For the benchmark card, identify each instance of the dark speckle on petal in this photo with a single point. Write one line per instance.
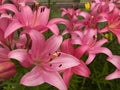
(42, 9)
(60, 65)
(50, 59)
(59, 54)
(50, 65)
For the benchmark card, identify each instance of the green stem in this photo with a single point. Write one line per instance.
(99, 87)
(83, 82)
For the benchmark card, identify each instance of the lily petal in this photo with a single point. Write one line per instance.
(102, 50)
(90, 58)
(26, 15)
(64, 61)
(81, 69)
(22, 56)
(59, 21)
(67, 76)
(38, 41)
(33, 78)
(81, 50)
(13, 26)
(51, 45)
(115, 60)
(38, 76)
(67, 47)
(54, 29)
(54, 79)
(44, 15)
(3, 54)
(10, 7)
(114, 75)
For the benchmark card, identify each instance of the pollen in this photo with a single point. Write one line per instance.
(87, 6)
(55, 54)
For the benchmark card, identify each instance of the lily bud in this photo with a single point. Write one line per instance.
(7, 70)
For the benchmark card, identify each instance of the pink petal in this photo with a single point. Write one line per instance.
(90, 58)
(22, 56)
(51, 45)
(104, 30)
(33, 78)
(65, 31)
(114, 75)
(81, 70)
(39, 75)
(10, 7)
(81, 50)
(5, 20)
(67, 47)
(26, 14)
(64, 12)
(84, 14)
(67, 76)
(4, 54)
(38, 43)
(59, 21)
(54, 79)
(13, 26)
(64, 61)
(101, 42)
(102, 50)
(44, 15)
(54, 29)
(115, 60)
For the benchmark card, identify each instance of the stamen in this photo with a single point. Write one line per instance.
(55, 54)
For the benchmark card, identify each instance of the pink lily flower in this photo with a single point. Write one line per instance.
(46, 60)
(109, 4)
(37, 19)
(113, 24)
(81, 69)
(115, 60)
(91, 20)
(30, 20)
(91, 45)
(71, 13)
(73, 25)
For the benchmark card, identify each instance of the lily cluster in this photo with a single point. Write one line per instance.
(54, 60)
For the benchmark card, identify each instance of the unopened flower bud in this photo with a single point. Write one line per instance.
(7, 70)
